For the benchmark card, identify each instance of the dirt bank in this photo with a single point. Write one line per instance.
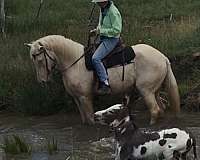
(187, 69)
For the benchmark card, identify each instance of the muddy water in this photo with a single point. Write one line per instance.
(76, 141)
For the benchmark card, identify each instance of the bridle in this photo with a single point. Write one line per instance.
(43, 51)
(46, 56)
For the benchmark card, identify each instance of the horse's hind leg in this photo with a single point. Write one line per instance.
(152, 104)
(160, 103)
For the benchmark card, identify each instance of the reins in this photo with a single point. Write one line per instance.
(46, 61)
(68, 67)
(43, 51)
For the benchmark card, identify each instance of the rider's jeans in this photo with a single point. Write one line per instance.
(106, 46)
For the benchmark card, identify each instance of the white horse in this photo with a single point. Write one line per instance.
(149, 71)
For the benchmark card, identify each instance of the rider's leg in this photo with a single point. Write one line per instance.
(106, 46)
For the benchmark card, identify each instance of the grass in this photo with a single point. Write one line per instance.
(52, 146)
(16, 145)
(172, 26)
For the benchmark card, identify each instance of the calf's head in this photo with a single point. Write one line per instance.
(123, 129)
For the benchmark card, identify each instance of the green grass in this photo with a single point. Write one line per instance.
(52, 146)
(146, 21)
(16, 145)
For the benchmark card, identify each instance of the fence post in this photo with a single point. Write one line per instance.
(38, 12)
(2, 18)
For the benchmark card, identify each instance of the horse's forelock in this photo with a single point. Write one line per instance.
(42, 43)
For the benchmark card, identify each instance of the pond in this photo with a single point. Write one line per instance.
(74, 140)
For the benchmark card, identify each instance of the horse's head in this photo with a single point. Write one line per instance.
(43, 59)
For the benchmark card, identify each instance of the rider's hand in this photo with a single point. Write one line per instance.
(94, 31)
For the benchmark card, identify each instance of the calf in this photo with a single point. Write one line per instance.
(135, 144)
(106, 116)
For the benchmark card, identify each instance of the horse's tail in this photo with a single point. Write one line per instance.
(172, 89)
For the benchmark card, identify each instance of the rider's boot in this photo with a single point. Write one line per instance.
(103, 89)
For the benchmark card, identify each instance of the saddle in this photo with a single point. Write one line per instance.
(119, 56)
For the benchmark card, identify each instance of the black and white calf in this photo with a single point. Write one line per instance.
(167, 144)
(106, 116)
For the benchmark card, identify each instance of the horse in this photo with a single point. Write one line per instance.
(151, 69)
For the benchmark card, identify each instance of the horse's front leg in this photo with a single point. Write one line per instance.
(77, 101)
(86, 106)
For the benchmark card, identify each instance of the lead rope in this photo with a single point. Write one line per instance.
(89, 23)
(123, 65)
(88, 42)
(91, 14)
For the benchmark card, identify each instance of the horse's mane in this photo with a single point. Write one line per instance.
(61, 45)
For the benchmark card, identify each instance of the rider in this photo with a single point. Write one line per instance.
(109, 28)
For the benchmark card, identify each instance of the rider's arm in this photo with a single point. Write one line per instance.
(112, 24)
(115, 25)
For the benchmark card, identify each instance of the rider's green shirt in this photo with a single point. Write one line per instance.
(112, 23)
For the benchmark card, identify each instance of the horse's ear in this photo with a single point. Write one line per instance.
(41, 46)
(28, 44)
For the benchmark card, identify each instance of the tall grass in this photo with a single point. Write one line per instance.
(172, 26)
(16, 145)
(52, 146)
